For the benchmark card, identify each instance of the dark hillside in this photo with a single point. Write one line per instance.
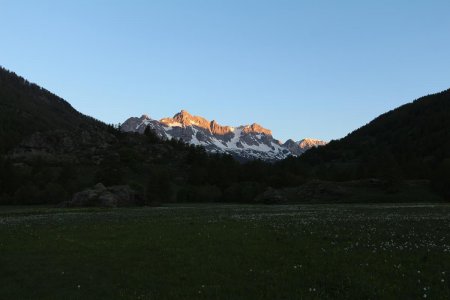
(26, 108)
(412, 141)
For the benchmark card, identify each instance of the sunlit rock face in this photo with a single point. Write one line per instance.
(307, 144)
(247, 142)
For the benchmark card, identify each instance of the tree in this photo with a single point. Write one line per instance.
(151, 135)
(159, 186)
(441, 179)
(110, 171)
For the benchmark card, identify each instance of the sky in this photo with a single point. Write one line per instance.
(317, 68)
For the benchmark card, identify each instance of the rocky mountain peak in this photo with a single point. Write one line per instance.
(183, 114)
(184, 118)
(256, 128)
(244, 142)
(309, 143)
(293, 147)
(218, 129)
(290, 142)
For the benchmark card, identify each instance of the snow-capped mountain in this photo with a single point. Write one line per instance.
(244, 142)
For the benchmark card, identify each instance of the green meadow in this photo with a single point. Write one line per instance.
(226, 252)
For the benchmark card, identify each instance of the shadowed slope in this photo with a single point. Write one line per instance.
(414, 139)
(26, 108)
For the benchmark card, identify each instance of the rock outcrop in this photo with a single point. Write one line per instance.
(101, 196)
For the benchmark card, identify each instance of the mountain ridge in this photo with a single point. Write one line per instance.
(244, 142)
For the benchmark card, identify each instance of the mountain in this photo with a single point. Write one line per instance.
(411, 141)
(246, 142)
(308, 143)
(300, 147)
(26, 108)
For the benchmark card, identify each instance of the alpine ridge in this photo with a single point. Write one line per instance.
(246, 142)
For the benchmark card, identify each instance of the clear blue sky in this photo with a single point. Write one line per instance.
(301, 68)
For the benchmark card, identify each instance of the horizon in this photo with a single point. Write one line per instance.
(237, 63)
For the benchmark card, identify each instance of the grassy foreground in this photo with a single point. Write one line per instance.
(226, 252)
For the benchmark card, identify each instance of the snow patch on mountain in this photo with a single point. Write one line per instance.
(246, 142)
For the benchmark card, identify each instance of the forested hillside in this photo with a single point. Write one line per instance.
(409, 142)
(26, 108)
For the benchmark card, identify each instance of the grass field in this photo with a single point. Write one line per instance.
(226, 252)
